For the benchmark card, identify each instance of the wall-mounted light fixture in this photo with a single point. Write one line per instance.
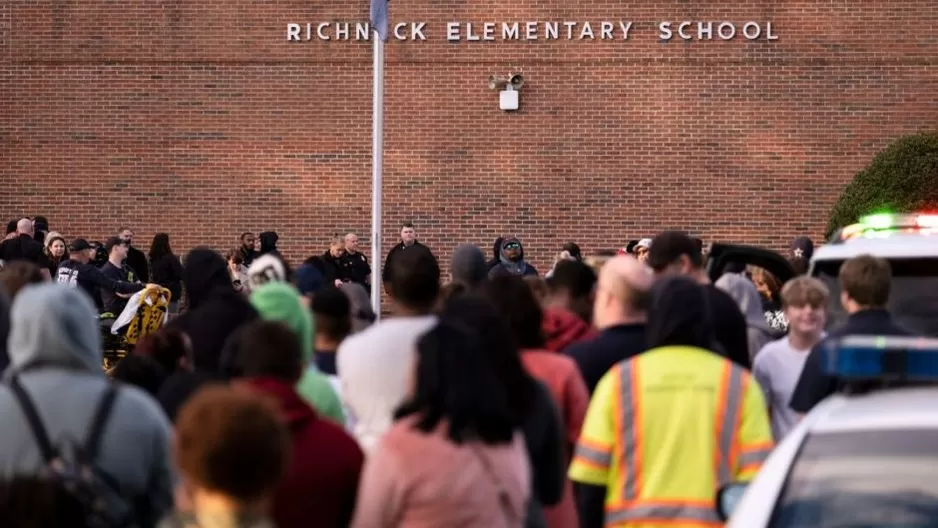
(509, 88)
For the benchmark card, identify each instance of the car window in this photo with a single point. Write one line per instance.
(913, 300)
(866, 479)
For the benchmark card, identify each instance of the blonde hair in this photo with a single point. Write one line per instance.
(802, 291)
(764, 277)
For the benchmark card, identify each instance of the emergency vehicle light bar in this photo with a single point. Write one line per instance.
(893, 221)
(882, 358)
(884, 224)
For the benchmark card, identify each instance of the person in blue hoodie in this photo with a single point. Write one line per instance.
(55, 356)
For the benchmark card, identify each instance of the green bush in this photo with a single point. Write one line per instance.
(901, 179)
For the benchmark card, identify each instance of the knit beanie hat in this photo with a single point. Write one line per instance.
(279, 301)
(308, 279)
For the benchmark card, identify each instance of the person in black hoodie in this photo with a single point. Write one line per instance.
(136, 260)
(167, 270)
(675, 253)
(40, 229)
(269, 244)
(496, 251)
(215, 312)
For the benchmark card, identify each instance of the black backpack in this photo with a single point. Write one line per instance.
(73, 466)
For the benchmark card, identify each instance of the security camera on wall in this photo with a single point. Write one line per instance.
(508, 90)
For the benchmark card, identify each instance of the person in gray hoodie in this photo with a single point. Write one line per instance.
(55, 354)
(747, 298)
(511, 260)
(468, 266)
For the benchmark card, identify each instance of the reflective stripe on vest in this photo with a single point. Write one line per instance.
(629, 430)
(756, 456)
(592, 457)
(728, 418)
(664, 513)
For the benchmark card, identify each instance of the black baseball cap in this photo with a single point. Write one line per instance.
(79, 244)
(802, 247)
(113, 241)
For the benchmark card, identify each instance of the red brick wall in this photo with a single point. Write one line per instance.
(200, 119)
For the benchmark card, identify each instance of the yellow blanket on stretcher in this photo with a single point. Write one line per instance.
(144, 314)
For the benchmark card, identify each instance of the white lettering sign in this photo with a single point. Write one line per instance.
(537, 30)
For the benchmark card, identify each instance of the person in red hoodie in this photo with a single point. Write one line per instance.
(568, 306)
(321, 483)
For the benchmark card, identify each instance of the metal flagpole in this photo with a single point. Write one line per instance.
(377, 162)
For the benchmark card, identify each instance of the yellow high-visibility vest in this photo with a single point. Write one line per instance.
(664, 430)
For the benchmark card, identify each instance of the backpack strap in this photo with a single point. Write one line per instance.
(33, 419)
(101, 415)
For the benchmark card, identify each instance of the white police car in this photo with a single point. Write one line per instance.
(855, 461)
(909, 242)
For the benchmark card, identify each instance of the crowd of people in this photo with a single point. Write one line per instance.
(618, 389)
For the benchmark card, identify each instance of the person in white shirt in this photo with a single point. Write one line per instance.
(778, 365)
(374, 366)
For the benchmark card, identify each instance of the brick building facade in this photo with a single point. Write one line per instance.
(201, 118)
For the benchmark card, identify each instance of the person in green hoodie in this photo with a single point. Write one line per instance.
(279, 301)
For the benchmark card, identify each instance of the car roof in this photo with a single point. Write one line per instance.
(896, 245)
(906, 408)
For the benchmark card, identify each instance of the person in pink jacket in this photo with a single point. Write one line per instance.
(455, 455)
